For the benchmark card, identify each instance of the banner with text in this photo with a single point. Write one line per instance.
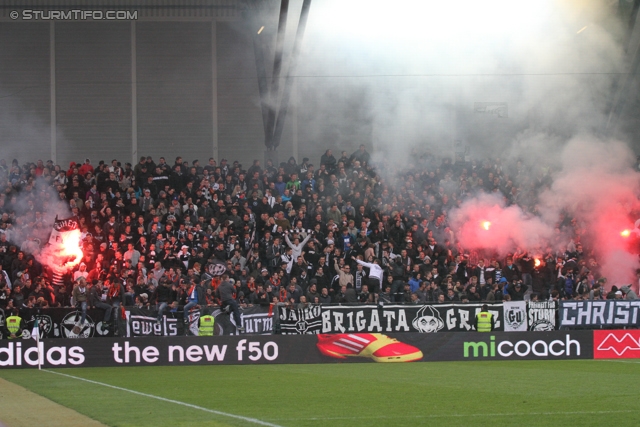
(61, 322)
(276, 349)
(612, 313)
(389, 318)
(542, 315)
(141, 322)
(515, 316)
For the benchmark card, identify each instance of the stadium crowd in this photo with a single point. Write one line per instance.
(159, 236)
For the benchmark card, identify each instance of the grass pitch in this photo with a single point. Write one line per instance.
(532, 393)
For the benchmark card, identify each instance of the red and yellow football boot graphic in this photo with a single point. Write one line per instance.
(378, 347)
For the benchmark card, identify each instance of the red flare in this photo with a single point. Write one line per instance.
(70, 251)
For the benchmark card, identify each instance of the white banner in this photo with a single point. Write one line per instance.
(542, 315)
(515, 316)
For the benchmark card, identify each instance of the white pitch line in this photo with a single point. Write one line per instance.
(617, 361)
(164, 399)
(505, 414)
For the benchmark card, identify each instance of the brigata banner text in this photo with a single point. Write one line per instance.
(322, 319)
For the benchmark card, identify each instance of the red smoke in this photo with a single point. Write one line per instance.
(486, 223)
(597, 186)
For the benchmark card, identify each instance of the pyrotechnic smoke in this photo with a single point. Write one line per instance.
(599, 187)
(486, 223)
(554, 70)
(596, 186)
(415, 85)
(33, 218)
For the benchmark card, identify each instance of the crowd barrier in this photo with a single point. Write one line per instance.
(517, 316)
(136, 322)
(329, 348)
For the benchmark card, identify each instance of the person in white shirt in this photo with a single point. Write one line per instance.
(82, 272)
(296, 246)
(375, 272)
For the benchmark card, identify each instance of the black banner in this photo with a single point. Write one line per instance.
(613, 313)
(66, 224)
(60, 322)
(388, 318)
(323, 348)
(141, 322)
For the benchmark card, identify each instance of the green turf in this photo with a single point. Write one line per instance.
(531, 393)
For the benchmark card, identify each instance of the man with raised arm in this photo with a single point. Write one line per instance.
(296, 246)
(375, 273)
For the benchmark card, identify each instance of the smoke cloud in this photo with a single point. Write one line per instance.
(487, 223)
(407, 77)
(33, 212)
(418, 68)
(599, 188)
(596, 186)
(416, 72)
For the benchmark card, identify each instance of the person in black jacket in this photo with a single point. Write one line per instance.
(511, 271)
(259, 296)
(451, 296)
(226, 293)
(328, 160)
(516, 290)
(495, 293)
(94, 300)
(163, 297)
(115, 297)
(324, 298)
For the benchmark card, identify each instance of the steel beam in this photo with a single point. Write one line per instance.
(288, 81)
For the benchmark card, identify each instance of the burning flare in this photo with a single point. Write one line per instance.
(70, 250)
(486, 225)
(64, 250)
(537, 262)
(625, 233)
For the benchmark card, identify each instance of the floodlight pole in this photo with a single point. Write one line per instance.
(274, 104)
(263, 86)
(288, 83)
(274, 91)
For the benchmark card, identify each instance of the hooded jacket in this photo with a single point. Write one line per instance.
(629, 293)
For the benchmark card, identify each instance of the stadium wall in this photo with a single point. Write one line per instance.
(173, 82)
